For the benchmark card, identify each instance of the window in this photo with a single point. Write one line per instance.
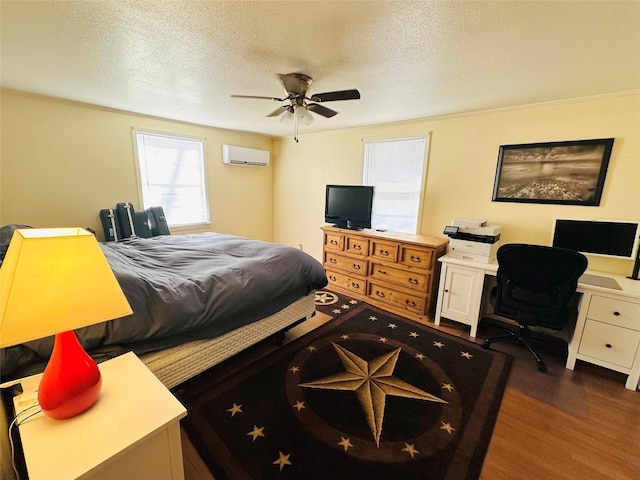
(172, 175)
(396, 168)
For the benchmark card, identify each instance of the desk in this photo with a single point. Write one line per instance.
(607, 330)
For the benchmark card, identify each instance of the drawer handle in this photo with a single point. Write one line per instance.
(355, 285)
(616, 314)
(333, 260)
(415, 259)
(355, 266)
(608, 345)
(413, 281)
(410, 303)
(332, 278)
(382, 272)
(333, 242)
(379, 293)
(357, 247)
(384, 253)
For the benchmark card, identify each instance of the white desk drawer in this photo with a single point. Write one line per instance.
(615, 312)
(609, 343)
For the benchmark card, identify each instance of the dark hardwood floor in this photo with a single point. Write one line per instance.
(563, 424)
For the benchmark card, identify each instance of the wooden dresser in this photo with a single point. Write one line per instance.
(395, 271)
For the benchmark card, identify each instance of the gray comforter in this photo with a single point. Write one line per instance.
(187, 287)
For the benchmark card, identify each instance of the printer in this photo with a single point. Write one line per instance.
(473, 240)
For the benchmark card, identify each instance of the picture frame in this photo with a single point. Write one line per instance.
(562, 173)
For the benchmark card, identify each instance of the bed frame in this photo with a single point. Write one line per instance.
(175, 365)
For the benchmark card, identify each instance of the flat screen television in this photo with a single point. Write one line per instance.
(609, 238)
(349, 206)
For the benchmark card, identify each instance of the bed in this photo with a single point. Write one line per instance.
(197, 300)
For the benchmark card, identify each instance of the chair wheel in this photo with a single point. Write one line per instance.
(486, 344)
(542, 367)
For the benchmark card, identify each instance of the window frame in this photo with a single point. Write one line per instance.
(425, 162)
(141, 188)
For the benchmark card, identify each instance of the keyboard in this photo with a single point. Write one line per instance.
(599, 281)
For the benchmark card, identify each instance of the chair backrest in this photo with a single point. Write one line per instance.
(536, 283)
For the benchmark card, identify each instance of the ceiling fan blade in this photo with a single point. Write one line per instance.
(259, 97)
(321, 110)
(278, 111)
(338, 95)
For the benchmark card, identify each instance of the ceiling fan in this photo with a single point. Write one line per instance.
(296, 86)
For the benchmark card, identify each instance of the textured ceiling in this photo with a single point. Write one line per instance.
(183, 59)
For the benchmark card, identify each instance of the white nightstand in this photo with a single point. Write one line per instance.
(131, 432)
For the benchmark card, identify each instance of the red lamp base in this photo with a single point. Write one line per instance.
(71, 382)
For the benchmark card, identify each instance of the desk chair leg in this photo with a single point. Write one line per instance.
(521, 338)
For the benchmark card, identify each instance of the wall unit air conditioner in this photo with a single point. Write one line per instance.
(252, 157)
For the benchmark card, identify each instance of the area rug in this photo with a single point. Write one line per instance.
(367, 395)
(333, 303)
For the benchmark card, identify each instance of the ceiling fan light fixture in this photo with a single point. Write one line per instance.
(303, 116)
(288, 116)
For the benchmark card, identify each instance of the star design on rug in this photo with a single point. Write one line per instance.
(438, 344)
(414, 334)
(383, 339)
(447, 426)
(345, 443)
(392, 326)
(373, 318)
(345, 307)
(282, 460)
(299, 405)
(294, 369)
(235, 409)
(410, 449)
(311, 348)
(447, 386)
(466, 355)
(325, 298)
(372, 381)
(256, 432)
(344, 336)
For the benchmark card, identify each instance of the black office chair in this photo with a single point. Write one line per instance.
(535, 286)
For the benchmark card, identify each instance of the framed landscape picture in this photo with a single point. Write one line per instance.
(567, 173)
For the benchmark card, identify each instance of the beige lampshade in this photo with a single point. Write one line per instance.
(53, 280)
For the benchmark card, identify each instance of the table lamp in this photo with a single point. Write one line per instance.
(53, 281)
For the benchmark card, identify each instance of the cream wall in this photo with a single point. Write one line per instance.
(61, 162)
(461, 169)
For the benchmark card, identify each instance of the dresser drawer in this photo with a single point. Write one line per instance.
(384, 251)
(406, 278)
(609, 343)
(614, 311)
(344, 280)
(357, 246)
(383, 293)
(334, 241)
(417, 257)
(348, 264)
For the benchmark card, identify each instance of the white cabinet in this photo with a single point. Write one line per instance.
(459, 295)
(608, 334)
(132, 431)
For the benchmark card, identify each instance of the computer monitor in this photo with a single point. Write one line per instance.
(608, 238)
